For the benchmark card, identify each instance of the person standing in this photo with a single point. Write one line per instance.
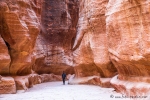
(63, 77)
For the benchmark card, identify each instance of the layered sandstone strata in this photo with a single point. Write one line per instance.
(91, 38)
(7, 85)
(10, 85)
(90, 54)
(4, 58)
(53, 46)
(127, 26)
(20, 26)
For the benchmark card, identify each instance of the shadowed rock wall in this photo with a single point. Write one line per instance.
(53, 46)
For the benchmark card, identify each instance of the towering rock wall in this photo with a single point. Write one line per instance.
(86, 37)
(53, 52)
(20, 26)
(90, 48)
(127, 26)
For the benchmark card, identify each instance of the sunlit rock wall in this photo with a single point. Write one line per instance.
(127, 26)
(90, 54)
(4, 58)
(20, 25)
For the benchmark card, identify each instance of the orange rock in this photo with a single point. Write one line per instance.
(50, 77)
(22, 82)
(91, 56)
(128, 42)
(7, 85)
(131, 88)
(20, 27)
(91, 39)
(127, 36)
(95, 80)
(58, 29)
(105, 82)
(4, 58)
(34, 79)
(25, 82)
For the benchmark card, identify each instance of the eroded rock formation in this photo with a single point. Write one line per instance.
(19, 29)
(10, 85)
(4, 58)
(91, 38)
(91, 50)
(7, 85)
(53, 46)
(127, 26)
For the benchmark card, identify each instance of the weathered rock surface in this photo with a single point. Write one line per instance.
(91, 55)
(19, 28)
(105, 82)
(136, 89)
(127, 26)
(92, 80)
(26, 82)
(7, 85)
(53, 46)
(95, 80)
(4, 58)
(34, 79)
(50, 77)
(95, 39)
(22, 82)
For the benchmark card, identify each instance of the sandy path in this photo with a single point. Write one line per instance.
(57, 91)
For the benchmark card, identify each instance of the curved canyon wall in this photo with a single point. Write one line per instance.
(39, 36)
(90, 54)
(91, 38)
(128, 38)
(53, 52)
(19, 29)
(127, 26)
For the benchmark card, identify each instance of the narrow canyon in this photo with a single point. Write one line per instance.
(98, 42)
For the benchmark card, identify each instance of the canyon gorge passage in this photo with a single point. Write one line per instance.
(99, 42)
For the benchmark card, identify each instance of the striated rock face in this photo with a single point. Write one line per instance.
(19, 28)
(53, 46)
(10, 85)
(95, 39)
(22, 83)
(135, 87)
(4, 57)
(25, 82)
(7, 85)
(90, 48)
(127, 26)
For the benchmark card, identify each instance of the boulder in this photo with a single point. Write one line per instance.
(7, 85)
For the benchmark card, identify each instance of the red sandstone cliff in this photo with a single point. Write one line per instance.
(91, 38)
(90, 54)
(19, 29)
(127, 26)
(53, 52)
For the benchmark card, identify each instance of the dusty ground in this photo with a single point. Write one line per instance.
(57, 91)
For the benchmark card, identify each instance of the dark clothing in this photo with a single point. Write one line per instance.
(64, 81)
(63, 77)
